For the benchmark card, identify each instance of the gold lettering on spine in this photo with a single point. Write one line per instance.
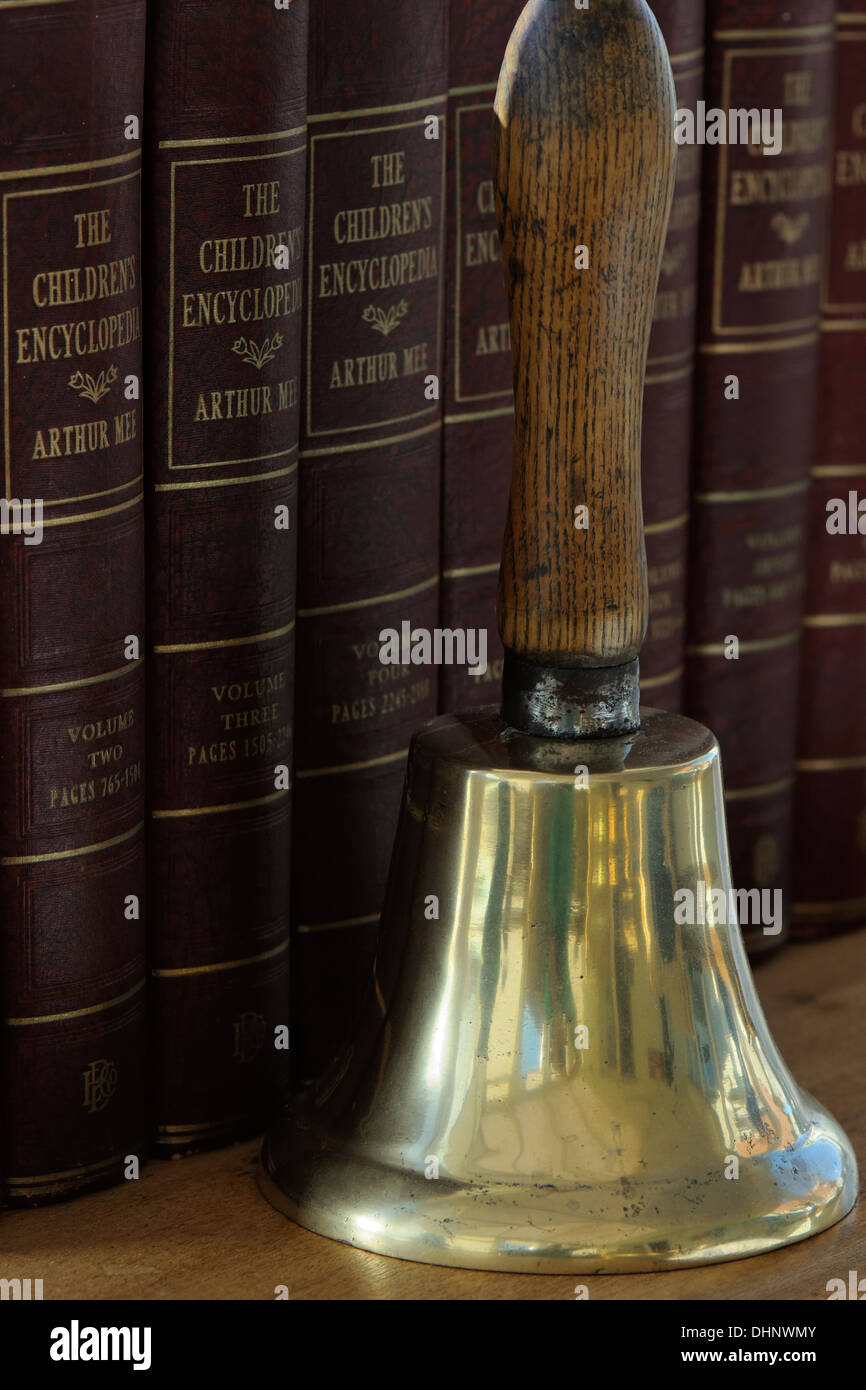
(73, 229)
(771, 183)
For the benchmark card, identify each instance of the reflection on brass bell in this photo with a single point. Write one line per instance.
(563, 1065)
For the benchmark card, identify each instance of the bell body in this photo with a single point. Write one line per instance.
(555, 1073)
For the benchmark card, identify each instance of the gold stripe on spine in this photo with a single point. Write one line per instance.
(775, 345)
(469, 570)
(840, 470)
(659, 527)
(104, 492)
(46, 1179)
(314, 118)
(685, 354)
(234, 139)
(226, 482)
(96, 848)
(655, 682)
(352, 767)
(754, 494)
(182, 812)
(84, 167)
(761, 644)
(369, 443)
(227, 641)
(114, 675)
(823, 620)
(308, 928)
(221, 965)
(177, 1134)
(853, 764)
(479, 415)
(91, 516)
(78, 1013)
(691, 57)
(659, 378)
(369, 602)
(473, 89)
(784, 784)
(808, 31)
(842, 325)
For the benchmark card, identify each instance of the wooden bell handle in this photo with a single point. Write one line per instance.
(584, 163)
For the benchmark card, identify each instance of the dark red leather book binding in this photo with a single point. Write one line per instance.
(72, 891)
(830, 805)
(224, 235)
(668, 395)
(762, 248)
(369, 478)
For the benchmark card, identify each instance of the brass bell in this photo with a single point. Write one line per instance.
(556, 1072)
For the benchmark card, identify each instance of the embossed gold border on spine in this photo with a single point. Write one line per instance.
(218, 966)
(748, 331)
(184, 163)
(457, 189)
(435, 406)
(49, 503)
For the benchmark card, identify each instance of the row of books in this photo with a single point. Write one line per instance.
(257, 392)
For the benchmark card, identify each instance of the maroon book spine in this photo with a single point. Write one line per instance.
(762, 246)
(72, 961)
(667, 412)
(830, 803)
(226, 158)
(479, 411)
(369, 478)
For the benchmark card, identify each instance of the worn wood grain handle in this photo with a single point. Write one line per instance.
(584, 157)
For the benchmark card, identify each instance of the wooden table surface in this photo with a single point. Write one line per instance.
(199, 1229)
